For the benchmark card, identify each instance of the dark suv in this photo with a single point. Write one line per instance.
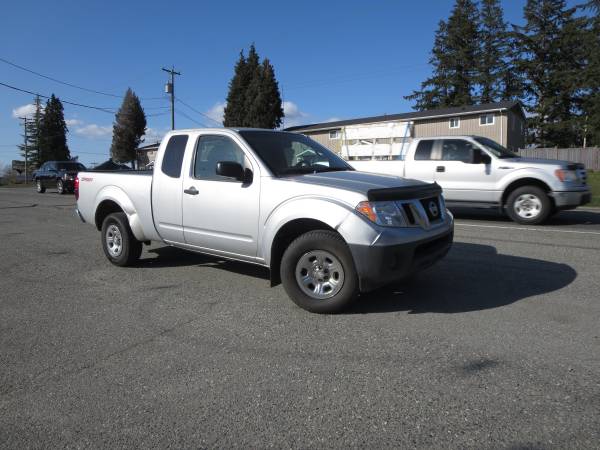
(59, 174)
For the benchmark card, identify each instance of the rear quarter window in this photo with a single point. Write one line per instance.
(423, 151)
(173, 157)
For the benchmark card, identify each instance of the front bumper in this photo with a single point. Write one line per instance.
(387, 261)
(571, 199)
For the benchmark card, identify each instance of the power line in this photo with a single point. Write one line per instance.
(68, 84)
(199, 112)
(106, 110)
(191, 119)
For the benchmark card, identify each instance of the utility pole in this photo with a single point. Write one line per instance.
(170, 89)
(24, 119)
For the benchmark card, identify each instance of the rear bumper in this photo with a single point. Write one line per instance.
(571, 199)
(378, 265)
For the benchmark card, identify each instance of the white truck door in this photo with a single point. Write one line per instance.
(462, 172)
(220, 214)
(167, 189)
(420, 164)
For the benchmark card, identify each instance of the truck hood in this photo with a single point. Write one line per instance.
(533, 162)
(352, 180)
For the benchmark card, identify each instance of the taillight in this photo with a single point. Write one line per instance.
(76, 188)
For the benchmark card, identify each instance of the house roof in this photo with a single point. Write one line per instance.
(417, 115)
(148, 148)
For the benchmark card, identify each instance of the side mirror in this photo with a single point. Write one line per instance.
(230, 169)
(481, 158)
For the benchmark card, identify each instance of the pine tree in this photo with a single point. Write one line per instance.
(591, 97)
(454, 59)
(53, 133)
(254, 99)
(434, 90)
(492, 60)
(32, 135)
(234, 110)
(128, 129)
(551, 62)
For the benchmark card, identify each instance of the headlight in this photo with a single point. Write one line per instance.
(566, 175)
(386, 214)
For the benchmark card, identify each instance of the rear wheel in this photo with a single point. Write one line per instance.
(118, 242)
(60, 187)
(39, 187)
(317, 272)
(528, 205)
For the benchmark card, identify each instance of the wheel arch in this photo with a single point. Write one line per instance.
(112, 199)
(286, 235)
(528, 181)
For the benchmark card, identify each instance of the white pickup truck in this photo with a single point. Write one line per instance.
(478, 172)
(276, 199)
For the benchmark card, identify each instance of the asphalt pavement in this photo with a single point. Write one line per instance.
(497, 346)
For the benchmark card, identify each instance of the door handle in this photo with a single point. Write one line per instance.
(440, 169)
(191, 190)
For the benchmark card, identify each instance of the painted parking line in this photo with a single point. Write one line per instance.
(546, 230)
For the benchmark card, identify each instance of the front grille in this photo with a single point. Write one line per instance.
(432, 208)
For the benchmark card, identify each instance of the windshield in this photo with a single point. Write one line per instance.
(291, 153)
(69, 166)
(496, 149)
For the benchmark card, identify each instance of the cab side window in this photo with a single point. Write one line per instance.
(173, 157)
(423, 151)
(457, 150)
(213, 149)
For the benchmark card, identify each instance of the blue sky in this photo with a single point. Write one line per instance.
(332, 59)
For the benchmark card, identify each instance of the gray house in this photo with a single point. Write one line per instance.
(503, 122)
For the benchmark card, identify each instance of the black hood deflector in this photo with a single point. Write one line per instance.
(405, 193)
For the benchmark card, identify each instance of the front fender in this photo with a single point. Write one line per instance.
(336, 214)
(118, 195)
(537, 174)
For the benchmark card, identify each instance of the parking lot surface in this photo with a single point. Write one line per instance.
(497, 346)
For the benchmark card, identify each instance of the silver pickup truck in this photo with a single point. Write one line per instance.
(478, 172)
(276, 199)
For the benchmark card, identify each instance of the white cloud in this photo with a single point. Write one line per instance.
(94, 131)
(153, 135)
(333, 119)
(73, 122)
(216, 113)
(293, 115)
(23, 111)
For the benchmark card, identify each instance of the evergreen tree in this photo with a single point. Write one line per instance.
(254, 99)
(551, 61)
(32, 134)
(128, 129)
(52, 135)
(591, 98)
(234, 110)
(494, 52)
(454, 59)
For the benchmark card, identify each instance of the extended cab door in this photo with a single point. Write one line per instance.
(421, 164)
(220, 214)
(167, 189)
(464, 172)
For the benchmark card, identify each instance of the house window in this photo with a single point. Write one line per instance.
(454, 122)
(486, 119)
(335, 134)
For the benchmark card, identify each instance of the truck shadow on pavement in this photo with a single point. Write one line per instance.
(563, 218)
(472, 277)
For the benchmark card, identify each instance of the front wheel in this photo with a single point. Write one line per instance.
(528, 205)
(317, 272)
(60, 187)
(118, 242)
(39, 187)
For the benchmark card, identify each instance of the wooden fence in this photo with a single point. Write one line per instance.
(589, 156)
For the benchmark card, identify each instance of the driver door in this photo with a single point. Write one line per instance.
(220, 214)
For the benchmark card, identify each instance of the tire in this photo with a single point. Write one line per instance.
(529, 205)
(39, 187)
(118, 242)
(60, 187)
(320, 258)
